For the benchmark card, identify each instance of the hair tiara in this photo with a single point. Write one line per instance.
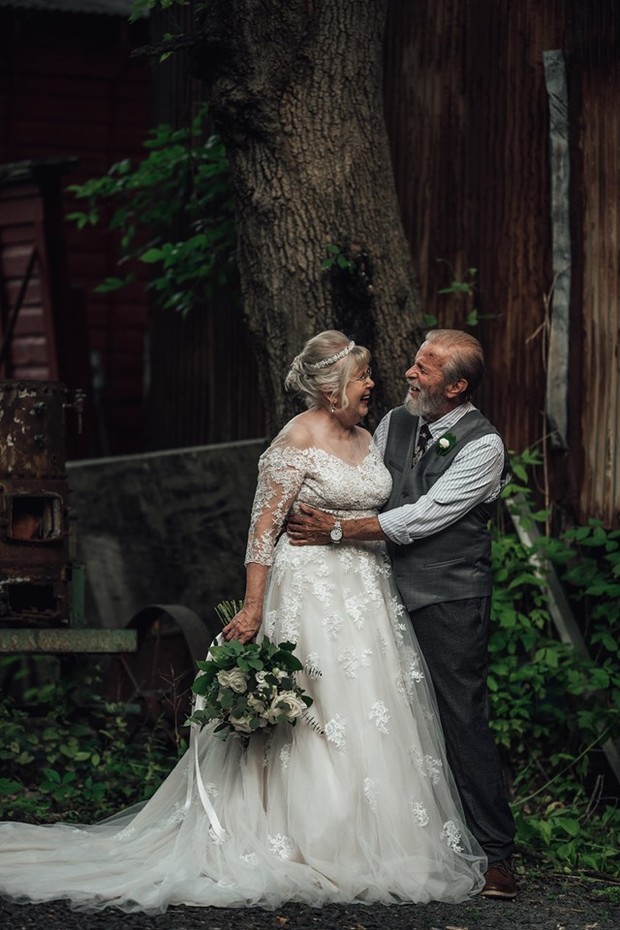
(333, 358)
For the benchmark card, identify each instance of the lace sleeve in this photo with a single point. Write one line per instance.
(281, 472)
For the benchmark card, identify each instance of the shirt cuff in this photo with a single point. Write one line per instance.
(394, 527)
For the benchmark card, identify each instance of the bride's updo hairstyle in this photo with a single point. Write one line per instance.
(325, 365)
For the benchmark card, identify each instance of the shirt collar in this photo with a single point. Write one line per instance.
(445, 423)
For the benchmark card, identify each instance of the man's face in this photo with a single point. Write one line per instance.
(427, 395)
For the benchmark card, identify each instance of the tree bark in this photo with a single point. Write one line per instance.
(296, 92)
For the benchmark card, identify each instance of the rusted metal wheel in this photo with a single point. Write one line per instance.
(156, 679)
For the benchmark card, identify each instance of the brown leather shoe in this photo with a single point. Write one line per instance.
(499, 881)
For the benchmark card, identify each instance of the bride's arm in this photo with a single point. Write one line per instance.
(282, 469)
(245, 625)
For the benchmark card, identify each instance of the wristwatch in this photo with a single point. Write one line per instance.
(335, 534)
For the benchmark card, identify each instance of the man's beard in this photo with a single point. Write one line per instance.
(426, 404)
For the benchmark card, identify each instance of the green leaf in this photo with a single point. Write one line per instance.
(457, 287)
(9, 786)
(570, 825)
(151, 256)
(203, 682)
(112, 284)
(52, 776)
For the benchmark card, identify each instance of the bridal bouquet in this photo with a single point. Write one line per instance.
(245, 687)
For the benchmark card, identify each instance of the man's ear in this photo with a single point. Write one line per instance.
(459, 387)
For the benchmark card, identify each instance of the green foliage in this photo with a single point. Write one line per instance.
(349, 267)
(464, 290)
(552, 709)
(248, 686)
(61, 760)
(336, 259)
(570, 837)
(172, 211)
(142, 8)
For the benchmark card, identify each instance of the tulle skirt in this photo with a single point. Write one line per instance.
(356, 804)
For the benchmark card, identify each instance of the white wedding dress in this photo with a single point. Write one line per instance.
(359, 807)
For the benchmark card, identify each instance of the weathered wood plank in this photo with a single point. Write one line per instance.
(67, 641)
(559, 166)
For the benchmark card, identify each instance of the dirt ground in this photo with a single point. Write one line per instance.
(548, 902)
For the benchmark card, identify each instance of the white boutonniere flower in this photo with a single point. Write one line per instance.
(445, 443)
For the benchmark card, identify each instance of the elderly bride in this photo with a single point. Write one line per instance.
(356, 805)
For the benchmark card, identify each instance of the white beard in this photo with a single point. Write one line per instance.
(424, 404)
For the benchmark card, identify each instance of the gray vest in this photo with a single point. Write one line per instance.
(454, 563)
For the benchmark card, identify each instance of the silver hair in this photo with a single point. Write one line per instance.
(465, 357)
(325, 365)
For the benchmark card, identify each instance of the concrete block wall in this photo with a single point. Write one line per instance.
(163, 528)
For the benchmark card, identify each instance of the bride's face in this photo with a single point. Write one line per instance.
(358, 392)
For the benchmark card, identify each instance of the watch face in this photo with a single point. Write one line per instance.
(336, 533)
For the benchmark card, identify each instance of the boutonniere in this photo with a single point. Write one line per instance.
(443, 445)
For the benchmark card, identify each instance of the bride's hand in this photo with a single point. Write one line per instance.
(310, 527)
(245, 625)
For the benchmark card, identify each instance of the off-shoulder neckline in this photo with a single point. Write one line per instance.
(333, 455)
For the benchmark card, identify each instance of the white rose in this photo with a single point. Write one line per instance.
(287, 705)
(241, 724)
(444, 443)
(235, 679)
(261, 682)
(256, 704)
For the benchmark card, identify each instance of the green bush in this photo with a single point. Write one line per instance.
(552, 708)
(62, 760)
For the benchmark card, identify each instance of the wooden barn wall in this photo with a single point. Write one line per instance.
(595, 72)
(203, 384)
(467, 114)
(69, 88)
(31, 353)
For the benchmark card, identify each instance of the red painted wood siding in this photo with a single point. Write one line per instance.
(68, 87)
(33, 345)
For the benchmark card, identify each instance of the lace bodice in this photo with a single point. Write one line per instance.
(288, 475)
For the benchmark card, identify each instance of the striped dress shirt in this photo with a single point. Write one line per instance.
(474, 477)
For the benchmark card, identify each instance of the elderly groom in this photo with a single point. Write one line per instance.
(448, 464)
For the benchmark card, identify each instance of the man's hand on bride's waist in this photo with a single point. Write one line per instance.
(312, 527)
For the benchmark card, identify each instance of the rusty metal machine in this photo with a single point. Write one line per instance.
(41, 583)
(41, 580)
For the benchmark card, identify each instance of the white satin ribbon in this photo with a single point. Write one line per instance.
(194, 774)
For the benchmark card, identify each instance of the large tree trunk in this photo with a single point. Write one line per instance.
(296, 90)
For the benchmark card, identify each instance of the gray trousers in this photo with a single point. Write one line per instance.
(453, 638)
